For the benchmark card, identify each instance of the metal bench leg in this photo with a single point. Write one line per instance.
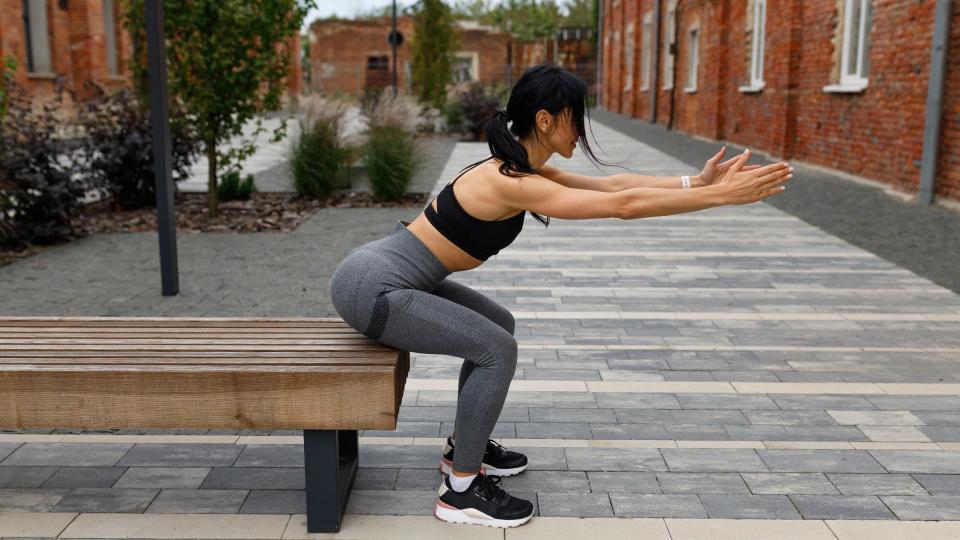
(330, 460)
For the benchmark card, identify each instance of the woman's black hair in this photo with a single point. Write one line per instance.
(543, 86)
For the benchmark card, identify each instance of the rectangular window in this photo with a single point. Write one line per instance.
(693, 58)
(668, 44)
(855, 51)
(628, 58)
(378, 63)
(465, 67)
(110, 36)
(645, 51)
(37, 34)
(756, 52)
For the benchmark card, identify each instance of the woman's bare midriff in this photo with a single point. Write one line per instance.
(452, 257)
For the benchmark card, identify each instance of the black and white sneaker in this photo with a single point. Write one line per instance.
(497, 460)
(483, 503)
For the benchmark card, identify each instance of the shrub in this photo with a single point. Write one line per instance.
(477, 104)
(390, 161)
(118, 149)
(319, 155)
(38, 196)
(231, 188)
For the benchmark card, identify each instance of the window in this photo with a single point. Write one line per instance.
(668, 44)
(465, 66)
(37, 37)
(645, 50)
(377, 63)
(110, 36)
(854, 53)
(758, 20)
(693, 58)
(628, 58)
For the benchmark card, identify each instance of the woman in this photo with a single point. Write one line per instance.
(395, 289)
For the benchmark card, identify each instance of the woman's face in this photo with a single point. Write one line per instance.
(561, 135)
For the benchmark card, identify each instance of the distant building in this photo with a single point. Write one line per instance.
(350, 55)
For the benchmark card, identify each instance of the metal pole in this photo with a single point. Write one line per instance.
(655, 64)
(393, 46)
(931, 131)
(160, 131)
(599, 70)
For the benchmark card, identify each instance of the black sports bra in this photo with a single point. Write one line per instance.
(478, 237)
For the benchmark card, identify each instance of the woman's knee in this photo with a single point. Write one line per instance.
(504, 350)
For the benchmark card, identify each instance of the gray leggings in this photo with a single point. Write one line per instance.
(395, 291)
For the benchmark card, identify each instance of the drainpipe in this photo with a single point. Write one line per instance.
(655, 80)
(931, 132)
(599, 70)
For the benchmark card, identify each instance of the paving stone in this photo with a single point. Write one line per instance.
(540, 414)
(180, 455)
(894, 434)
(406, 429)
(548, 481)
(574, 505)
(875, 418)
(7, 448)
(823, 402)
(789, 484)
(749, 507)
(708, 417)
(935, 507)
(162, 477)
(643, 505)
(916, 461)
(67, 454)
(937, 484)
(623, 482)
(877, 484)
(554, 430)
(418, 479)
(676, 482)
(121, 500)
(379, 456)
(916, 403)
(258, 478)
(84, 477)
(696, 432)
(626, 400)
(503, 430)
(393, 503)
(939, 418)
(629, 431)
(614, 459)
(278, 501)
(841, 507)
(373, 479)
(30, 500)
(790, 418)
(712, 460)
(198, 501)
(271, 455)
(848, 461)
(942, 433)
(726, 401)
(24, 477)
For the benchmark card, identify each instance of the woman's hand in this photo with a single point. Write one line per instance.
(713, 170)
(743, 186)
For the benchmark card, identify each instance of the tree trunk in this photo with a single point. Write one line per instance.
(213, 208)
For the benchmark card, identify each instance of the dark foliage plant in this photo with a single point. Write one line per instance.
(477, 104)
(318, 160)
(116, 136)
(390, 160)
(38, 194)
(233, 188)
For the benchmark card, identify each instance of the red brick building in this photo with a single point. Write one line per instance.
(79, 39)
(351, 55)
(837, 83)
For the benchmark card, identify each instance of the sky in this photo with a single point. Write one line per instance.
(347, 8)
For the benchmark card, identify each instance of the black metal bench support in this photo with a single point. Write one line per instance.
(331, 459)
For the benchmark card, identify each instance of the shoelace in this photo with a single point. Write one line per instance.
(489, 489)
(498, 449)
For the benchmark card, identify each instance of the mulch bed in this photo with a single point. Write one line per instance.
(263, 212)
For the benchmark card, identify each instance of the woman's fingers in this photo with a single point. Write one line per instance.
(751, 167)
(716, 157)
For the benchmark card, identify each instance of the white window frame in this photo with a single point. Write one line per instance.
(628, 58)
(856, 81)
(757, 47)
(37, 29)
(474, 58)
(646, 50)
(668, 35)
(693, 58)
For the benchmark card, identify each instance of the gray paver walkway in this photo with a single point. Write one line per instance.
(682, 311)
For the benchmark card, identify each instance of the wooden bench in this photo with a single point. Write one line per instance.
(314, 374)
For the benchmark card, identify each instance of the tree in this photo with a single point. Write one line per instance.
(226, 65)
(433, 44)
(579, 13)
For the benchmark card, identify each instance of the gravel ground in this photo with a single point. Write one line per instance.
(924, 240)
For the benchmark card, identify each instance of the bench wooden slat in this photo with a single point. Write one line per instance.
(274, 333)
(202, 360)
(187, 348)
(170, 322)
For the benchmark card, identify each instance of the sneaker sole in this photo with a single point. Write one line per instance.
(446, 467)
(449, 514)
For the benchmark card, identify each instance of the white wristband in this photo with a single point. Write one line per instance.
(685, 182)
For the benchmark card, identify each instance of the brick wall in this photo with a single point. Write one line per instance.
(876, 133)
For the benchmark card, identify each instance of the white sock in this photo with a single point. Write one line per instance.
(461, 483)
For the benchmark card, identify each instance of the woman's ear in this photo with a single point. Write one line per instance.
(544, 120)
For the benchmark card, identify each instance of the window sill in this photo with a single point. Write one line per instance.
(753, 88)
(667, 88)
(690, 90)
(848, 88)
(644, 88)
(41, 75)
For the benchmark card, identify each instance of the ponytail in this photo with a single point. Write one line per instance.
(504, 146)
